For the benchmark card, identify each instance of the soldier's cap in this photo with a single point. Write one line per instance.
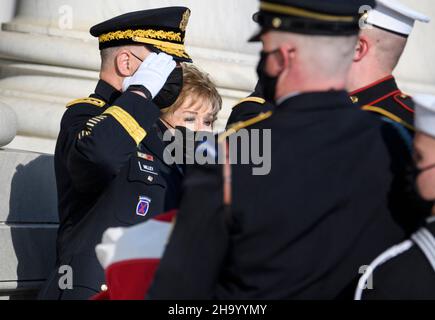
(161, 30)
(395, 17)
(312, 17)
(425, 114)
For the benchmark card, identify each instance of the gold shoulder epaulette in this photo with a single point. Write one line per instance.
(93, 101)
(388, 115)
(244, 124)
(251, 99)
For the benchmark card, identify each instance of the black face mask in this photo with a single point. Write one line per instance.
(420, 171)
(171, 90)
(267, 83)
(189, 141)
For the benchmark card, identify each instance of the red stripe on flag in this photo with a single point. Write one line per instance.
(131, 279)
(167, 217)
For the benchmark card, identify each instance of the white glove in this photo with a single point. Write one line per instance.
(152, 73)
(143, 241)
(106, 250)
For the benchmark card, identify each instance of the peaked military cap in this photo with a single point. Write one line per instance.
(162, 30)
(425, 114)
(395, 17)
(316, 17)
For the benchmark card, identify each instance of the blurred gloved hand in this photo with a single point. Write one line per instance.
(152, 73)
(143, 241)
(106, 250)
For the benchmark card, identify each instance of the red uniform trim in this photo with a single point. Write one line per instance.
(396, 98)
(384, 97)
(371, 85)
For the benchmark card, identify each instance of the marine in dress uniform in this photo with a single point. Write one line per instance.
(383, 97)
(249, 107)
(407, 270)
(304, 230)
(109, 157)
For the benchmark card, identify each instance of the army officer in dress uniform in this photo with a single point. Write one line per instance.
(305, 230)
(109, 156)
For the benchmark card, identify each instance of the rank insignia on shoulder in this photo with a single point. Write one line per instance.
(143, 206)
(251, 99)
(244, 124)
(92, 101)
(145, 156)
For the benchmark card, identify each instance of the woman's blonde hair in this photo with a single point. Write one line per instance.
(197, 83)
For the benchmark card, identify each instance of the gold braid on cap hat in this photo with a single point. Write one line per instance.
(130, 34)
(157, 38)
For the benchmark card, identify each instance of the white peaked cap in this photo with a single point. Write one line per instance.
(425, 113)
(395, 16)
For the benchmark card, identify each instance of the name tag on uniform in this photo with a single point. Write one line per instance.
(147, 169)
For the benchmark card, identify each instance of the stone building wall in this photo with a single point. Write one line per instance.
(47, 56)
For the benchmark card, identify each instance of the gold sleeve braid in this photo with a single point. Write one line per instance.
(90, 126)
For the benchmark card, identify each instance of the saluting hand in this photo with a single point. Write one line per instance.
(152, 73)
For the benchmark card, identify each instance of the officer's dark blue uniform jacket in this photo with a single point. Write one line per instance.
(110, 173)
(306, 230)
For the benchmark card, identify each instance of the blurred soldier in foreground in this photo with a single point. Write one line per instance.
(380, 47)
(305, 230)
(109, 156)
(407, 271)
